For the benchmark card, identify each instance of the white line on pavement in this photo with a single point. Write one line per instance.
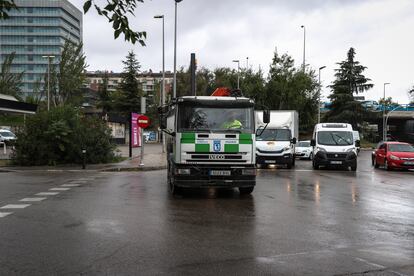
(3, 214)
(47, 193)
(70, 185)
(32, 199)
(59, 189)
(15, 206)
(78, 182)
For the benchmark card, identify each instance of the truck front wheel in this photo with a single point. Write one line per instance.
(246, 190)
(174, 190)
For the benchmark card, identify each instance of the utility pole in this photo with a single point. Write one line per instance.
(175, 51)
(384, 106)
(319, 95)
(238, 72)
(304, 45)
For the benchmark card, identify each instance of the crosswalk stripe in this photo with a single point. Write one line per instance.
(15, 206)
(59, 189)
(4, 214)
(32, 199)
(47, 193)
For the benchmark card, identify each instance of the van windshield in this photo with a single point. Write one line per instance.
(274, 135)
(335, 138)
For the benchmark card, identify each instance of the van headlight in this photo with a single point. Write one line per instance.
(286, 148)
(320, 149)
(349, 150)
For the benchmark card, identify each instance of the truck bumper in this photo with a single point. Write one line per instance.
(274, 159)
(201, 176)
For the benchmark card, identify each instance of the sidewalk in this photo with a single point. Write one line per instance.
(154, 159)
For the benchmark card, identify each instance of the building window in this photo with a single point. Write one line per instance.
(30, 20)
(30, 48)
(30, 57)
(30, 76)
(29, 10)
(30, 30)
(30, 39)
(30, 67)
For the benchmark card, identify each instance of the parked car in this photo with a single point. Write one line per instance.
(304, 150)
(372, 105)
(394, 155)
(373, 154)
(7, 136)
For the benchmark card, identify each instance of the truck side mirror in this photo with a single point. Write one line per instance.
(313, 143)
(266, 116)
(357, 143)
(294, 140)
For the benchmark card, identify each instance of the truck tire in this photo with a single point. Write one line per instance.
(174, 190)
(246, 190)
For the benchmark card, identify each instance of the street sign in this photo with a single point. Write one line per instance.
(143, 121)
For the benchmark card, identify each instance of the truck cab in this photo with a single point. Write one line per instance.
(210, 143)
(334, 145)
(275, 145)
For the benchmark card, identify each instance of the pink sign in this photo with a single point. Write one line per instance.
(135, 131)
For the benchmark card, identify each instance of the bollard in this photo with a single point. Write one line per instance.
(83, 159)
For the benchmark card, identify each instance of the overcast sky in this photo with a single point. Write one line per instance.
(219, 31)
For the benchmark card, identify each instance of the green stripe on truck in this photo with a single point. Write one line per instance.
(245, 138)
(202, 147)
(231, 148)
(187, 138)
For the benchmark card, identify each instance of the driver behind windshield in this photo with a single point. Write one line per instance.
(232, 120)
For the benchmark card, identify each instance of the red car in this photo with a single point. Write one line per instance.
(394, 155)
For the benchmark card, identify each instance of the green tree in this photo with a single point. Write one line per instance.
(388, 102)
(411, 95)
(105, 97)
(116, 11)
(10, 83)
(291, 88)
(71, 76)
(128, 98)
(253, 85)
(349, 79)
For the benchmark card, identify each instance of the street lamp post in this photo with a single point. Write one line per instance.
(238, 72)
(175, 51)
(247, 63)
(386, 120)
(319, 95)
(304, 45)
(49, 57)
(163, 75)
(384, 132)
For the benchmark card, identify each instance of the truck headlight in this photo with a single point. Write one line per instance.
(183, 171)
(393, 157)
(248, 171)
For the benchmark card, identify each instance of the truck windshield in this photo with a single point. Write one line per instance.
(274, 135)
(335, 138)
(215, 119)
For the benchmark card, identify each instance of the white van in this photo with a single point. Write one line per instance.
(334, 145)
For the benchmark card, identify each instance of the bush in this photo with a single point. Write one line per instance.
(58, 137)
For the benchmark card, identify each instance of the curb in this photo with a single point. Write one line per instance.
(135, 169)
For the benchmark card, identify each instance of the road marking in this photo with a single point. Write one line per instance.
(70, 185)
(47, 193)
(78, 181)
(59, 189)
(4, 214)
(85, 179)
(32, 199)
(15, 206)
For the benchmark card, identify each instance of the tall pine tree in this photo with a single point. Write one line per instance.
(129, 94)
(348, 80)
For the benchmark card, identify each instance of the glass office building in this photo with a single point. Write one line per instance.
(37, 29)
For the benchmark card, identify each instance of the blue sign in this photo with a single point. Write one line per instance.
(216, 145)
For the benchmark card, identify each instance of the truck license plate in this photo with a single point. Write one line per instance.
(336, 162)
(270, 161)
(220, 173)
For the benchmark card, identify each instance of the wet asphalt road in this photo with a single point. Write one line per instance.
(296, 222)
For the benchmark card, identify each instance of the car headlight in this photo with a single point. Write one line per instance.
(393, 157)
(320, 149)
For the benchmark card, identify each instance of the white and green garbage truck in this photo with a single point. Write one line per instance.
(210, 142)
